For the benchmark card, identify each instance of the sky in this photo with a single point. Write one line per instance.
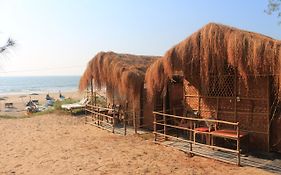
(59, 37)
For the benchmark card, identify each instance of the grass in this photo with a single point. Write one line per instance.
(56, 108)
(13, 117)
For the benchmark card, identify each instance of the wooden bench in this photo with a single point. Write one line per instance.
(229, 134)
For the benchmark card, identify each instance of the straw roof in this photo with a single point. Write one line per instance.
(121, 73)
(215, 46)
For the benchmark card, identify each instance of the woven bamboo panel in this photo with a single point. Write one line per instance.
(221, 86)
(226, 105)
(208, 104)
(256, 87)
(192, 103)
(190, 89)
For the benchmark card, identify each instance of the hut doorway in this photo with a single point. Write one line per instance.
(174, 96)
(275, 118)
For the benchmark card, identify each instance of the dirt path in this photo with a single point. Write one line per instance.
(53, 144)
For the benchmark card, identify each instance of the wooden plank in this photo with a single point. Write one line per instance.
(104, 115)
(196, 143)
(227, 98)
(197, 119)
(98, 107)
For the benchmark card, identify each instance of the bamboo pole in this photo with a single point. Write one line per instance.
(229, 98)
(235, 94)
(238, 146)
(98, 116)
(154, 126)
(125, 118)
(268, 114)
(91, 83)
(198, 119)
(113, 122)
(134, 120)
(164, 111)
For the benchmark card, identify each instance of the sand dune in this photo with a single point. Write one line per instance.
(53, 144)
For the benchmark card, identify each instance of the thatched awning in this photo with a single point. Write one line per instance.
(123, 73)
(213, 47)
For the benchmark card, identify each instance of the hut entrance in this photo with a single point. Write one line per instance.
(275, 120)
(174, 97)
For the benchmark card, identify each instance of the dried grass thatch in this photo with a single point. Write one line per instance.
(155, 77)
(122, 73)
(215, 46)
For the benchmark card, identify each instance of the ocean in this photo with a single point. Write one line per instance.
(38, 84)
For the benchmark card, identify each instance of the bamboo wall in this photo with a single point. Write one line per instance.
(234, 102)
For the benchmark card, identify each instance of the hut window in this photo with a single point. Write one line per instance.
(222, 85)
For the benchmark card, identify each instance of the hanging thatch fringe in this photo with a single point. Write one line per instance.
(123, 72)
(215, 46)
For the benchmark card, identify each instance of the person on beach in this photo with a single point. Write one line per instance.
(61, 96)
(48, 97)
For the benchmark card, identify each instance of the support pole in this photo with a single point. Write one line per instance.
(154, 126)
(238, 146)
(113, 122)
(98, 116)
(268, 114)
(135, 120)
(164, 111)
(95, 102)
(92, 89)
(125, 118)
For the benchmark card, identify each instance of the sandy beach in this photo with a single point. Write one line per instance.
(19, 101)
(53, 144)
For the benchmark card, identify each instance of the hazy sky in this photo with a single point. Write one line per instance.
(59, 37)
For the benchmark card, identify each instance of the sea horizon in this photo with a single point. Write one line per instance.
(21, 85)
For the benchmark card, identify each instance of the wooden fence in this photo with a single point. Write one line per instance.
(163, 123)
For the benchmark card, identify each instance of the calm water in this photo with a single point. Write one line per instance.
(23, 85)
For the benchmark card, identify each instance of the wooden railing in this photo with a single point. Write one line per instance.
(162, 127)
(102, 117)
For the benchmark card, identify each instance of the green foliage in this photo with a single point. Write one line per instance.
(274, 7)
(8, 44)
(56, 108)
(57, 104)
(101, 101)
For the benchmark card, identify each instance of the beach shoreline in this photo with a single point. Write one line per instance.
(19, 100)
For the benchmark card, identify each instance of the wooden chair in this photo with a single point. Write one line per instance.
(204, 128)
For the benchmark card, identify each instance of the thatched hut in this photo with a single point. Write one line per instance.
(123, 77)
(230, 74)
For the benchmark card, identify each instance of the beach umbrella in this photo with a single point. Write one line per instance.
(33, 94)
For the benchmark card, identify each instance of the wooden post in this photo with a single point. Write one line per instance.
(95, 102)
(113, 122)
(125, 118)
(235, 94)
(238, 145)
(154, 126)
(91, 83)
(113, 97)
(268, 114)
(98, 116)
(124, 123)
(135, 121)
(164, 111)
